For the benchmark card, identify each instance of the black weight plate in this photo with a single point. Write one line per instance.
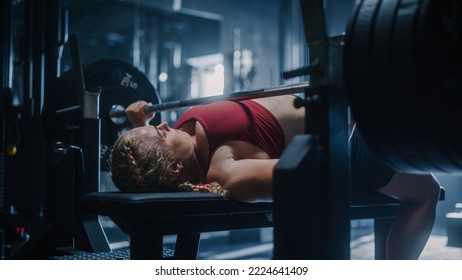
(439, 56)
(377, 96)
(356, 56)
(408, 106)
(361, 84)
(377, 122)
(414, 116)
(434, 152)
(393, 71)
(120, 83)
(355, 42)
(433, 143)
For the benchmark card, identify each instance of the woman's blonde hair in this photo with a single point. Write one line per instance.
(139, 164)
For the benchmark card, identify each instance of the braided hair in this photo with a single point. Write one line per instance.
(139, 164)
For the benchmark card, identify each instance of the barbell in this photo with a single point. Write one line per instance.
(402, 73)
(118, 111)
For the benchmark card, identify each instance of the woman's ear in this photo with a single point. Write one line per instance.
(174, 169)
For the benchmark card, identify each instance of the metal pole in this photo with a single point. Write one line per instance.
(312, 182)
(241, 95)
(6, 65)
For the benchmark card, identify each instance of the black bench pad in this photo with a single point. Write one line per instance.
(167, 212)
(148, 205)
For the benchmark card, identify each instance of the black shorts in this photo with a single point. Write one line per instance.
(368, 171)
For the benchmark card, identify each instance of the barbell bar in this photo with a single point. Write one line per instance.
(118, 111)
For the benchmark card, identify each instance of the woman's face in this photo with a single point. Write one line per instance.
(177, 140)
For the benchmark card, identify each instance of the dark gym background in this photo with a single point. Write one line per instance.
(177, 44)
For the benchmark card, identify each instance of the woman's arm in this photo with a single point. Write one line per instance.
(247, 180)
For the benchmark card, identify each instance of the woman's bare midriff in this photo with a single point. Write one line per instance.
(291, 119)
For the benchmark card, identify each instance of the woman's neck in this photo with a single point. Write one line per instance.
(193, 170)
(195, 166)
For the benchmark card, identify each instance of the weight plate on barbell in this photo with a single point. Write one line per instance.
(380, 66)
(401, 93)
(407, 97)
(360, 50)
(120, 84)
(439, 56)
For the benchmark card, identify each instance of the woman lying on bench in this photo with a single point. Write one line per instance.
(232, 147)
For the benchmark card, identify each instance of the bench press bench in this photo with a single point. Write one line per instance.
(148, 217)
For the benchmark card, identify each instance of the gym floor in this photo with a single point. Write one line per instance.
(436, 249)
(258, 245)
(219, 246)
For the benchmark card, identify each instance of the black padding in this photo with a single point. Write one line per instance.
(176, 204)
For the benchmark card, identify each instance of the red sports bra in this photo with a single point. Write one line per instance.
(247, 121)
